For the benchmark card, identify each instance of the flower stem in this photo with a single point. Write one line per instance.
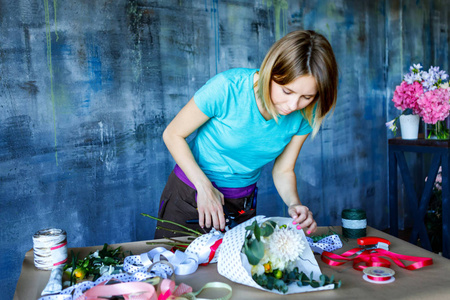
(174, 223)
(175, 231)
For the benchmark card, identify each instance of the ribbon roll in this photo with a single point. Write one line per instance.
(50, 248)
(329, 243)
(378, 275)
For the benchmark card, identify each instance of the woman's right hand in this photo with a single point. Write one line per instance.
(210, 208)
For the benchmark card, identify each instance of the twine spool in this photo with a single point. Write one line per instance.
(354, 223)
(50, 248)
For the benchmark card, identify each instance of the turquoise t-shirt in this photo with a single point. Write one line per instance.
(236, 142)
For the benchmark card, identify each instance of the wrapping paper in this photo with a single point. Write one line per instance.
(233, 264)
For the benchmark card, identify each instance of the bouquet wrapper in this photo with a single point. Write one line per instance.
(233, 264)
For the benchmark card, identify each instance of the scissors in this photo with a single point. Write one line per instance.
(230, 217)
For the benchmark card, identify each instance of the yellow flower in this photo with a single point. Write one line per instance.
(79, 273)
(267, 267)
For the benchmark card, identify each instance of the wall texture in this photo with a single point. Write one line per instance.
(87, 87)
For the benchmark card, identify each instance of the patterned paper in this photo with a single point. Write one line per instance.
(201, 246)
(233, 264)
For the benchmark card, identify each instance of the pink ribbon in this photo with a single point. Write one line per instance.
(129, 291)
(136, 290)
(168, 288)
(373, 258)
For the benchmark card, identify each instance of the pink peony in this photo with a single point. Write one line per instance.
(406, 96)
(434, 105)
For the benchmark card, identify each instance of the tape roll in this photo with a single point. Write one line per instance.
(50, 248)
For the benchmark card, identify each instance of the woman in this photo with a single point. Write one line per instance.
(244, 119)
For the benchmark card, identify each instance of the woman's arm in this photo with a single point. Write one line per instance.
(286, 184)
(209, 199)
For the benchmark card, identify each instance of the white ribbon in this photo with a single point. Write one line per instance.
(201, 246)
(183, 263)
(329, 243)
(136, 266)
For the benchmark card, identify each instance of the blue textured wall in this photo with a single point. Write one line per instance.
(87, 87)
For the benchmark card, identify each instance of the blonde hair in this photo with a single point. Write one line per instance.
(301, 53)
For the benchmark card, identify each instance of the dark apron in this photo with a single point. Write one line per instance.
(178, 204)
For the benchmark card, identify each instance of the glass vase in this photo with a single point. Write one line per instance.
(438, 131)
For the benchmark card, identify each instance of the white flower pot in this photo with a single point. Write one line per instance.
(409, 126)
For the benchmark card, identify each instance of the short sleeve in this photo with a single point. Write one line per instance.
(210, 97)
(304, 128)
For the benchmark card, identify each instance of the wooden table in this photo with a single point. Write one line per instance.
(440, 149)
(430, 282)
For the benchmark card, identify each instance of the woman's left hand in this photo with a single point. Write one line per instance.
(302, 217)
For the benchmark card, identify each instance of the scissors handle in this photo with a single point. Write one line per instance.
(372, 240)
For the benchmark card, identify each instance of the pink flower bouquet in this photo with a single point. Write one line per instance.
(425, 94)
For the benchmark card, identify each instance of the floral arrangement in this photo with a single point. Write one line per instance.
(273, 251)
(272, 255)
(265, 253)
(426, 94)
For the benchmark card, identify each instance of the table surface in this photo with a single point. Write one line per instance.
(430, 282)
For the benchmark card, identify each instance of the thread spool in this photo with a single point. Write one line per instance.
(354, 223)
(378, 275)
(50, 248)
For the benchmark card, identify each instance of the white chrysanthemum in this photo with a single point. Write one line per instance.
(285, 245)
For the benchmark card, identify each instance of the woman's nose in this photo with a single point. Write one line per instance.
(293, 105)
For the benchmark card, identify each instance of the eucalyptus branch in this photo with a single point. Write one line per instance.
(173, 223)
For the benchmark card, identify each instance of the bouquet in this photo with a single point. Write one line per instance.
(270, 254)
(425, 94)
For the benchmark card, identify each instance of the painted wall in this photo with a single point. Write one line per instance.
(87, 87)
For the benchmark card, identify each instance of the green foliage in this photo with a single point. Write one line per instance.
(90, 265)
(277, 279)
(254, 247)
(269, 282)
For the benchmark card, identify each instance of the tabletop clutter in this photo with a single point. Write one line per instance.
(266, 253)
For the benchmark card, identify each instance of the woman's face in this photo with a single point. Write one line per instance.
(293, 96)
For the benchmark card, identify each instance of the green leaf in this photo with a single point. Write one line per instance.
(322, 280)
(267, 230)
(251, 227)
(270, 283)
(252, 259)
(257, 232)
(257, 248)
(280, 285)
(272, 223)
(85, 263)
(254, 252)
